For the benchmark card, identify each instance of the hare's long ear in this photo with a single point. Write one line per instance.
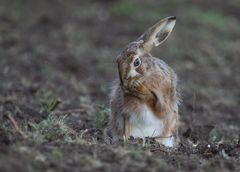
(157, 34)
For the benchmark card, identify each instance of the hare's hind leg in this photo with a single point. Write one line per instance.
(110, 136)
(169, 136)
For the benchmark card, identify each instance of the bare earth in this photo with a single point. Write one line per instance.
(57, 61)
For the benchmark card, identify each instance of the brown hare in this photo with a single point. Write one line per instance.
(144, 101)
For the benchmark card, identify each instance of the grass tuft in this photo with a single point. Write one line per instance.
(49, 105)
(102, 117)
(52, 129)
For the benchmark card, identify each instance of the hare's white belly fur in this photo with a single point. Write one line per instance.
(146, 124)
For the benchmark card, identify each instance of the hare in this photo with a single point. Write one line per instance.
(144, 101)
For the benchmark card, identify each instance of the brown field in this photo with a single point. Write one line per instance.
(57, 62)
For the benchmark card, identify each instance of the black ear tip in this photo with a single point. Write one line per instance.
(172, 18)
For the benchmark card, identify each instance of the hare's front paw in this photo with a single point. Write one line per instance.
(110, 137)
(168, 142)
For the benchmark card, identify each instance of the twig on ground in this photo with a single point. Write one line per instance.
(15, 125)
(85, 131)
(158, 149)
(70, 111)
(7, 99)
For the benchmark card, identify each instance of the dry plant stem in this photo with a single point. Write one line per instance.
(15, 125)
(7, 99)
(161, 137)
(158, 149)
(70, 111)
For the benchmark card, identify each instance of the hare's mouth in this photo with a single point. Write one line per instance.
(132, 87)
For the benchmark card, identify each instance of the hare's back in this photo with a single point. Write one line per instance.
(161, 65)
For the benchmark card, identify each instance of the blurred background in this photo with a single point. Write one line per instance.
(66, 50)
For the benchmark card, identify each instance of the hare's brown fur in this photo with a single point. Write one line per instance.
(144, 98)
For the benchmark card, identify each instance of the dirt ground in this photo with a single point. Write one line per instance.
(57, 62)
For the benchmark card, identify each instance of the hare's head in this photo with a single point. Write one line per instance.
(132, 61)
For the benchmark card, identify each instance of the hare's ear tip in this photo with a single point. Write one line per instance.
(172, 18)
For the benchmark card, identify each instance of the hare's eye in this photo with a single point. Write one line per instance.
(137, 62)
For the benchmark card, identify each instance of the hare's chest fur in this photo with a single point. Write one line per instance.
(145, 124)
